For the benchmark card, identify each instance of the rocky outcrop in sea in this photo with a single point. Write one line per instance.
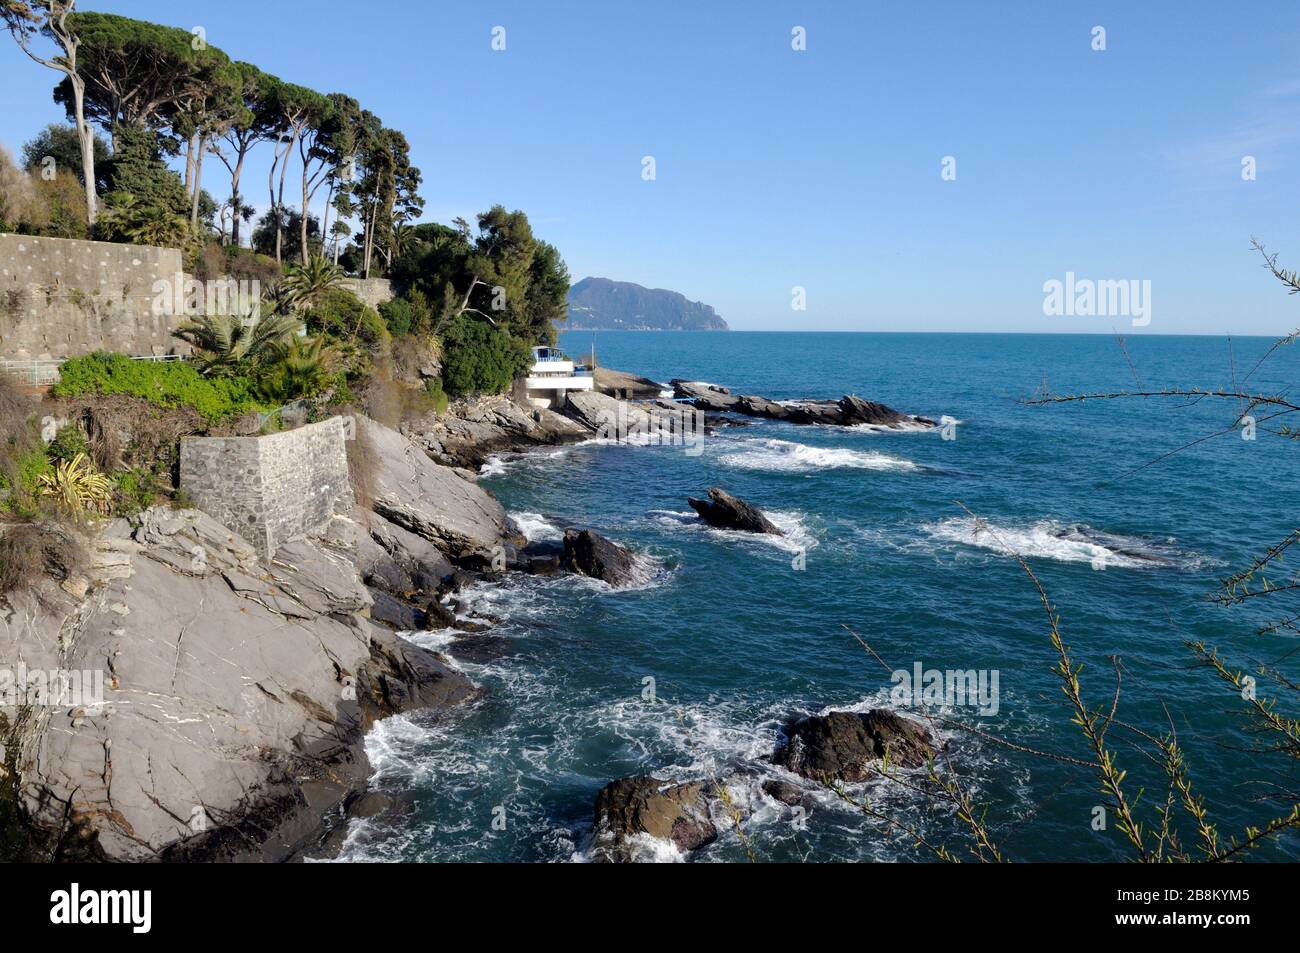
(848, 411)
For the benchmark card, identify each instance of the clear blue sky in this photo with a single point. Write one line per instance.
(822, 168)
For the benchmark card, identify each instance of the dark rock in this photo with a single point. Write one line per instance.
(847, 411)
(401, 676)
(840, 745)
(859, 411)
(440, 617)
(478, 648)
(679, 813)
(543, 565)
(784, 791)
(730, 512)
(396, 613)
(590, 554)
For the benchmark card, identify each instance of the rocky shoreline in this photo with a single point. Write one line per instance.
(238, 690)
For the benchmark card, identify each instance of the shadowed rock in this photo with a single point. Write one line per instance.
(839, 746)
(725, 511)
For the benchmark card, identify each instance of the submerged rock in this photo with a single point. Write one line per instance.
(725, 511)
(786, 792)
(644, 806)
(839, 745)
(590, 554)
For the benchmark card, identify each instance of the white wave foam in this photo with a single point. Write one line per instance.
(786, 456)
(1049, 539)
(535, 527)
(907, 426)
(492, 466)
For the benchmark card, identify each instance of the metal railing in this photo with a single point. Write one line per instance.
(45, 373)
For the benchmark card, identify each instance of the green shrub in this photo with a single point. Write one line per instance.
(479, 358)
(67, 443)
(21, 483)
(397, 315)
(166, 384)
(341, 315)
(407, 315)
(134, 491)
(434, 387)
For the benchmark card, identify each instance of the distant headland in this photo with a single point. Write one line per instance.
(601, 304)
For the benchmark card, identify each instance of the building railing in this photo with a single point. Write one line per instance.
(45, 373)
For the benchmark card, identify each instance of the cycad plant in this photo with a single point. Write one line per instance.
(225, 343)
(126, 219)
(302, 370)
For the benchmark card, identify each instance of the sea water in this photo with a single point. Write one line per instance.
(901, 539)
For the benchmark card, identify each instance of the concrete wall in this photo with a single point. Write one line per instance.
(270, 489)
(62, 297)
(373, 291)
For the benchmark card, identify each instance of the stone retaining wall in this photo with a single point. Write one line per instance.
(274, 488)
(373, 291)
(62, 297)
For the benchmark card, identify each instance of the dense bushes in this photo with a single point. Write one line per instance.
(410, 314)
(481, 358)
(166, 384)
(338, 313)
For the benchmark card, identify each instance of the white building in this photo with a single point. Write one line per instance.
(552, 376)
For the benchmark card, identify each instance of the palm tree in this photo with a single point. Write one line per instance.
(302, 370)
(306, 284)
(224, 342)
(141, 224)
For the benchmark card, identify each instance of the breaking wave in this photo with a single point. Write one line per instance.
(1064, 542)
(786, 456)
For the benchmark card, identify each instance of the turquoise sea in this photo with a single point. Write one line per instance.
(735, 640)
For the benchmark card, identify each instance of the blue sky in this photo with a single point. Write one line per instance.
(821, 168)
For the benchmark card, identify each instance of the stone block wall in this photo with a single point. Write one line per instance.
(274, 488)
(373, 291)
(62, 297)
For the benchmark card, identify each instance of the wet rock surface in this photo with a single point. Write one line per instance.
(724, 511)
(848, 411)
(841, 745)
(589, 554)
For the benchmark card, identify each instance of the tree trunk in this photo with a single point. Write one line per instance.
(189, 164)
(302, 230)
(198, 182)
(56, 23)
(87, 136)
(236, 200)
(279, 200)
(325, 219)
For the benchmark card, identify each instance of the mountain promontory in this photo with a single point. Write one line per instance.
(604, 305)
